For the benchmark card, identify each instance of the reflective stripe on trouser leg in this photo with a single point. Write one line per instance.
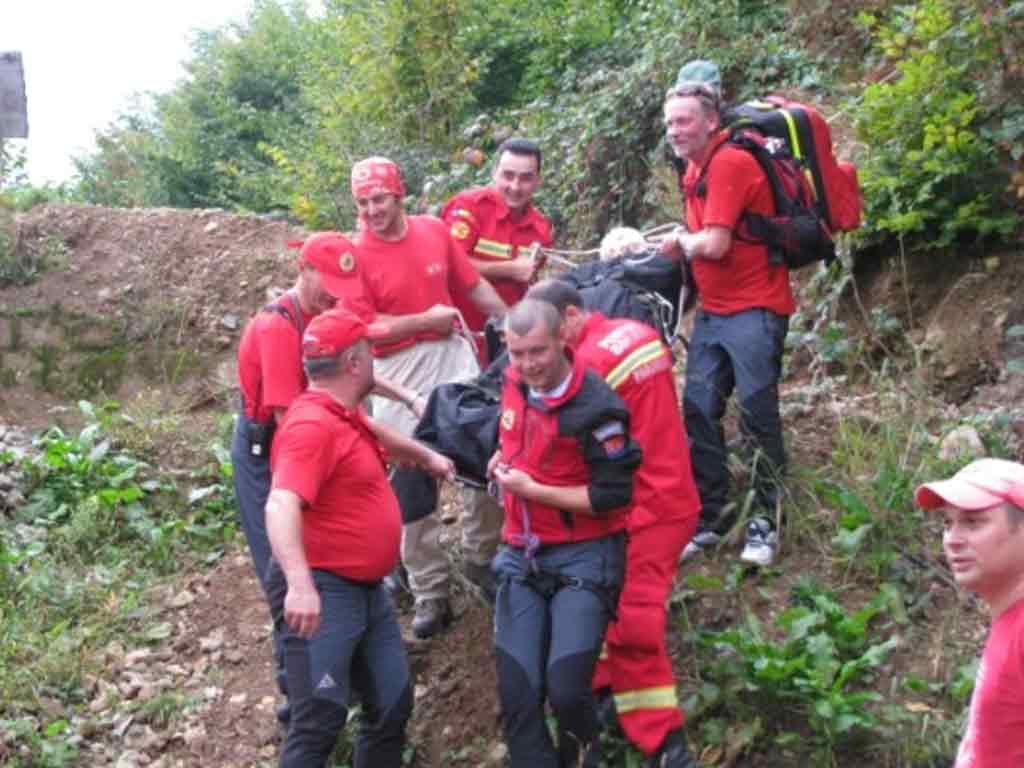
(421, 368)
(638, 663)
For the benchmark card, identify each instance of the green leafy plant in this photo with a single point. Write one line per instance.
(816, 665)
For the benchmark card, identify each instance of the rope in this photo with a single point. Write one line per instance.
(562, 256)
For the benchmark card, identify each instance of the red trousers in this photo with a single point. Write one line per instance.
(635, 664)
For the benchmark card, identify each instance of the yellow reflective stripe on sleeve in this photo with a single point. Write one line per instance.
(662, 697)
(640, 356)
(493, 249)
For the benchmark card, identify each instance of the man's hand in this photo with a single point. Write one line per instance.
(493, 463)
(440, 318)
(523, 267)
(302, 610)
(514, 481)
(439, 466)
(671, 246)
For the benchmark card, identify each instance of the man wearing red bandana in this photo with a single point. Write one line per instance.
(496, 225)
(412, 272)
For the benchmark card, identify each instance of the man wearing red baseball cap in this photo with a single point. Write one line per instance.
(270, 377)
(983, 540)
(412, 271)
(334, 527)
(270, 373)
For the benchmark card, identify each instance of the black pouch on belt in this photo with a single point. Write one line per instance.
(260, 435)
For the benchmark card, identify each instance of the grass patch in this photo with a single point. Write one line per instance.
(99, 528)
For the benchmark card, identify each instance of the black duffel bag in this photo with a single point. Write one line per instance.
(461, 422)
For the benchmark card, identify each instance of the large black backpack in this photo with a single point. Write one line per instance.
(795, 234)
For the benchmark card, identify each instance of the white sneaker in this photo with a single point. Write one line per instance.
(762, 543)
(700, 543)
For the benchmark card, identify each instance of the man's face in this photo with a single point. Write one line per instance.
(983, 549)
(539, 356)
(516, 178)
(317, 298)
(688, 128)
(382, 212)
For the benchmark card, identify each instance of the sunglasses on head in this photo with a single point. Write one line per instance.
(699, 90)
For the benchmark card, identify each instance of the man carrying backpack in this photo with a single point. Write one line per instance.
(738, 332)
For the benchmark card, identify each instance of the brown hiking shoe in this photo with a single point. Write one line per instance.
(431, 617)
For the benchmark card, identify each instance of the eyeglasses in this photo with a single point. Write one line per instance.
(698, 90)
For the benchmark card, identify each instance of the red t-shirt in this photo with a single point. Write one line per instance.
(995, 726)
(485, 229)
(409, 276)
(743, 279)
(637, 365)
(270, 371)
(327, 455)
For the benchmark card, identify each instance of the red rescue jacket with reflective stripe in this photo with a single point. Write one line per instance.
(637, 365)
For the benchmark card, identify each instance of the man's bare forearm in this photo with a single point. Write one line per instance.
(487, 299)
(284, 529)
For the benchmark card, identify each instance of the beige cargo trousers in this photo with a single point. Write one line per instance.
(421, 368)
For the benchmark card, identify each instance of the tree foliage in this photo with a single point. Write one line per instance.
(275, 109)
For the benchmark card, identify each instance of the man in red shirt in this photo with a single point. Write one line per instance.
(496, 225)
(334, 526)
(411, 271)
(983, 540)
(270, 377)
(270, 374)
(741, 326)
(636, 667)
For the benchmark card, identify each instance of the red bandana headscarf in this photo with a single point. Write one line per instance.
(375, 175)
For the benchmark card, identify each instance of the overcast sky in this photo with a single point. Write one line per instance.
(83, 60)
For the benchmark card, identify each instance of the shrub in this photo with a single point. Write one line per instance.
(932, 169)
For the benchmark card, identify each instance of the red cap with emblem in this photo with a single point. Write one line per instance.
(332, 332)
(333, 256)
(375, 175)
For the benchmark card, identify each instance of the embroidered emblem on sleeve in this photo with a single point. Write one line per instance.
(612, 437)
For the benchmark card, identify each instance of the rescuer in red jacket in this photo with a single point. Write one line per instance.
(635, 666)
(565, 466)
(496, 225)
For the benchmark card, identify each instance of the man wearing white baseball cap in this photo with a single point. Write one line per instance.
(984, 544)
